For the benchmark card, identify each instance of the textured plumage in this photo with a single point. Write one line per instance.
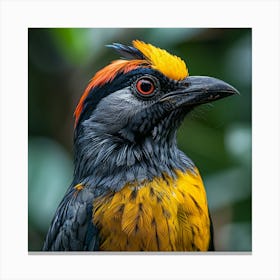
(127, 52)
(133, 189)
(156, 216)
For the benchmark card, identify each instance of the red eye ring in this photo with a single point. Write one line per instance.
(145, 86)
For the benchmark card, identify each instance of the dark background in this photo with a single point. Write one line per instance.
(217, 137)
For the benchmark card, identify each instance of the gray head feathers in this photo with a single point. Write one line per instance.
(106, 161)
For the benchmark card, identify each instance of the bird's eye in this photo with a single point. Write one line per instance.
(145, 86)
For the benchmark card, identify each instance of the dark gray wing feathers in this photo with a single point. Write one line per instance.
(72, 228)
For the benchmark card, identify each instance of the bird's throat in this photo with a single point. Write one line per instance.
(108, 164)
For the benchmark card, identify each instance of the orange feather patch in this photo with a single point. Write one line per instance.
(105, 75)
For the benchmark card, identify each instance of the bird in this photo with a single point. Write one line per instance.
(133, 189)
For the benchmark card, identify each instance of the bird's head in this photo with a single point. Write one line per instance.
(134, 106)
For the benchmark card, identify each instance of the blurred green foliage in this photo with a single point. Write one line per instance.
(217, 137)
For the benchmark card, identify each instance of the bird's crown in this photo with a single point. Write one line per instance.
(169, 65)
(140, 55)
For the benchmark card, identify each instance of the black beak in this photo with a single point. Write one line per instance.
(195, 90)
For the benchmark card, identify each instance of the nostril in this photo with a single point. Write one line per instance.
(185, 84)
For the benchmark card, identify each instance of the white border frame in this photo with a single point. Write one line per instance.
(17, 16)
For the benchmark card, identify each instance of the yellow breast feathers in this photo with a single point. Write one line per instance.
(162, 215)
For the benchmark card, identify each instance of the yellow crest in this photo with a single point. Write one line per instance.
(170, 65)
